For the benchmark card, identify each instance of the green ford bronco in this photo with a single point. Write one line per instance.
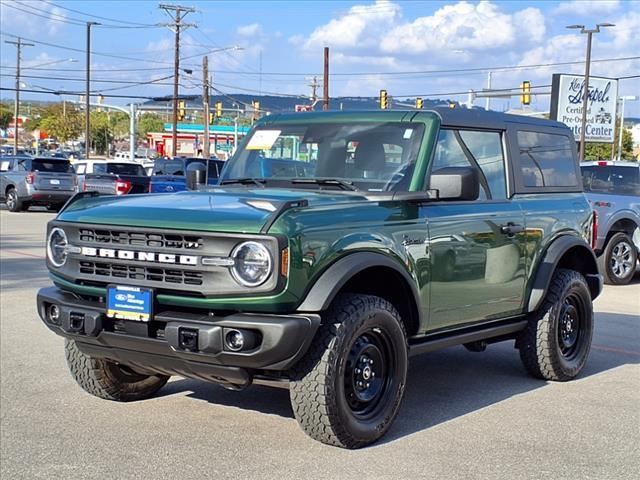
(335, 246)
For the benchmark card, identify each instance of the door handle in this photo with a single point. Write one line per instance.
(510, 229)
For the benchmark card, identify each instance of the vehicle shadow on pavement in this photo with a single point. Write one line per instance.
(441, 386)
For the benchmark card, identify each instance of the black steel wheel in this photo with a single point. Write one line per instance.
(557, 340)
(347, 389)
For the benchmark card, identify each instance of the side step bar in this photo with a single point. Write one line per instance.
(438, 341)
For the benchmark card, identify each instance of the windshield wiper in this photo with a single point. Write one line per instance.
(327, 181)
(244, 181)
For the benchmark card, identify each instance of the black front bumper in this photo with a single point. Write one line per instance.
(156, 347)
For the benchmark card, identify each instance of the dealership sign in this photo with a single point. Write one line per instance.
(566, 105)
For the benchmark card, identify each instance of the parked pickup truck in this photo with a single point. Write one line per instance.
(118, 178)
(613, 189)
(36, 181)
(169, 174)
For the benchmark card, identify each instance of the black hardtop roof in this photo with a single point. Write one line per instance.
(489, 118)
(452, 117)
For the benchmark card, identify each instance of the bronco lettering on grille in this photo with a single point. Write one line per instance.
(139, 256)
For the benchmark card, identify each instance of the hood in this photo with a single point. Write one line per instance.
(233, 210)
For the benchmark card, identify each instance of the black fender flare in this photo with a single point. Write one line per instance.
(550, 261)
(327, 286)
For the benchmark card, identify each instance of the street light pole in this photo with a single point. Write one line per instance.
(87, 108)
(585, 85)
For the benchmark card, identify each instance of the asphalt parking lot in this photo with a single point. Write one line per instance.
(465, 415)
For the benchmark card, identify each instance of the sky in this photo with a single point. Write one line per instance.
(410, 48)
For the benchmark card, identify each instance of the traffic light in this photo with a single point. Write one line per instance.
(211, 117)
(218, 109)
(525, 96)
(384, 100)
(419, 103)
(182, 112)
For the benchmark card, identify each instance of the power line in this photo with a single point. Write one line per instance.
(67, 92)
(63, 19)
(103, 18)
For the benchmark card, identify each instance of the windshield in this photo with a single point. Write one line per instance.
(369, 156)
(611, 179)
(58, 166)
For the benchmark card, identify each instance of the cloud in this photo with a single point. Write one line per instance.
(587, 7)
(29, 18)
(250, 30)
(362, 26)
(464, 26)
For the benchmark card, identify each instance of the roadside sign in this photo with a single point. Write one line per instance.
(566, 105)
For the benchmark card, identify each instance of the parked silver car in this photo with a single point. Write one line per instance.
(613, 188)
(27, 181)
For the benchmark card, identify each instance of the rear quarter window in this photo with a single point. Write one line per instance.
(546, 161)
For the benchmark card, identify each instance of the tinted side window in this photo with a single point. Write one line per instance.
(480, 150)
(99, 168)
(546, 160)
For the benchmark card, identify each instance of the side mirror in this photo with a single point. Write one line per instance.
(196, 175)
(456, 183)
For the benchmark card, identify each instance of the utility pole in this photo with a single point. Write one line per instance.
(178, 15)
(16, 108)
(585, 87)
(205, 104)
(325, 89)
(87, 97)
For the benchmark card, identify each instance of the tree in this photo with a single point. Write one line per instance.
(149, 122)
(6, 115)
(101, 131)
(63, 122)
(597, 151)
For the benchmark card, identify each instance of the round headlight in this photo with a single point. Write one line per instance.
(57, 247)
(252, 264)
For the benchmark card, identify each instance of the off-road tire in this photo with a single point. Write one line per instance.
(606, 260)
(14, 204)
(540, 342)
(107, 380)
(319, 393)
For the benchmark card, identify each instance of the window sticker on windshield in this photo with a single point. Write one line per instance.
(263, 139)
(407, 133)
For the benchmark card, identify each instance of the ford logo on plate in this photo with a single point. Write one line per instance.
(121, 297)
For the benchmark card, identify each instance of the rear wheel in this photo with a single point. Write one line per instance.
(618, 261)
(347, 390)
(14, 204)
(108, 380)
(557, 340)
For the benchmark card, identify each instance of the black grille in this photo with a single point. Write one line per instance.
(152, 274)
(141, 239)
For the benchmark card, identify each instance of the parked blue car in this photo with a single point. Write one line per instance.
(169, 173)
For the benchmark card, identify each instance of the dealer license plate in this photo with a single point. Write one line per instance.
(129, 303)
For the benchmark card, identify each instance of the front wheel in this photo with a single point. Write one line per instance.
(557, 340)
(347, 390)
(618, 261)
(109, 380)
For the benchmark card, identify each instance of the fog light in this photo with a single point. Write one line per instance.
(54, 314)
(234, 339)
